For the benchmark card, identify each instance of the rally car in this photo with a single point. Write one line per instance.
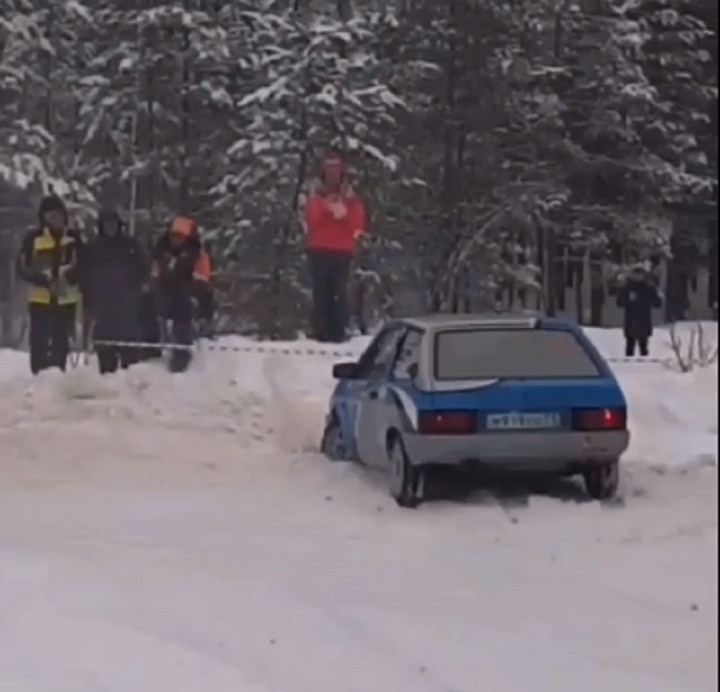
(507, 393)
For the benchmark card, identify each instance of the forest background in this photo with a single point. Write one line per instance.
(510, 152)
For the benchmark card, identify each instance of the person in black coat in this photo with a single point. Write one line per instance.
(638, 295)
(150, 323)
(114, 270)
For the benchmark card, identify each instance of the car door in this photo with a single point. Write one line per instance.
(371, 403)
(354, 393)
(392, 390)
(403, 406)
(345, 405)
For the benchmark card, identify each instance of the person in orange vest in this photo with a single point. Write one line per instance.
(180, 277)
(335, 219)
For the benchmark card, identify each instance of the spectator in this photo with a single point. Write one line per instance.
(335, 219)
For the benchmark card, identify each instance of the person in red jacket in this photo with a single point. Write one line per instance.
(335, 220)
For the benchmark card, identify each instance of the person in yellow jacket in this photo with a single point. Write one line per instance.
(49, 261)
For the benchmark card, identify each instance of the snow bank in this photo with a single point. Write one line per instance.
(260, 414)
(12, 363)
(673, 416)
(283, 398)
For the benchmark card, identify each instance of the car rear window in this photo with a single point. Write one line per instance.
(510, 354)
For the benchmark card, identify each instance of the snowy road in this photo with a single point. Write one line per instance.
(178, 533)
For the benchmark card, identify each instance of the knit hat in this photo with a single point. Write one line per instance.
(332, 162)
(109, 217)
(51, 203)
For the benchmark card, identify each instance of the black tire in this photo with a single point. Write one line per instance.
(602, 482)
(331, 441)
(406, 481)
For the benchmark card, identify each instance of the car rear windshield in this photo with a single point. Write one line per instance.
(510, 354)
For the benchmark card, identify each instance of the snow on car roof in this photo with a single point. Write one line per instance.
(515, 320)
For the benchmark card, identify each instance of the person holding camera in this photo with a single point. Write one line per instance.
(336, 220)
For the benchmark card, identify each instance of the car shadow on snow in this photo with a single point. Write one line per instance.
(640, 482)
(512, 490)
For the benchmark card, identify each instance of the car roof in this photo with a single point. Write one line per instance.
(527, 319)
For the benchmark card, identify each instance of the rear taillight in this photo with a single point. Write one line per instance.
(599, 419)
(447, 422)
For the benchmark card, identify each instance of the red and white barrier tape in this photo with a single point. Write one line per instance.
(219, 348)
(306, 351)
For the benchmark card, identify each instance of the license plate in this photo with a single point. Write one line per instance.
(523, 421)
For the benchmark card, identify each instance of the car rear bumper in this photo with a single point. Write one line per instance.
(532, 450)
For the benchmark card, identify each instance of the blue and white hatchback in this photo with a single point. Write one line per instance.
(511, 393)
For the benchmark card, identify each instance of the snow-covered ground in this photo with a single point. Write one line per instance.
(179, 533)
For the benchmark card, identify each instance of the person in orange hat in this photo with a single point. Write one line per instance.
(180, 277)
(335, 219)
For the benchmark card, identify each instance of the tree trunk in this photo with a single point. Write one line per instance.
(184, 202)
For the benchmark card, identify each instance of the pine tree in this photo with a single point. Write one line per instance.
(311, 83)
(496, 145)
(677, 61)
(39, 61)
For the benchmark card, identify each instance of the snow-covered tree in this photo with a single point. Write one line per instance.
(310, 83)
(497, 145)
(677, 61)
(38, 58)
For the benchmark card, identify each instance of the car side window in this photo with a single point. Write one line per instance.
(386, 353)
(368, 355)
(408, 354)
(374, 361)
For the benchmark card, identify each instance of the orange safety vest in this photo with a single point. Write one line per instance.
(202, 271)
(188, 228)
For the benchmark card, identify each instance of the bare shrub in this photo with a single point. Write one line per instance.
(693, 351)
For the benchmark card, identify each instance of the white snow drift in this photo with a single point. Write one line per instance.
(180, 533)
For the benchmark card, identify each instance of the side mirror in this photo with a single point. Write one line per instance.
(413, 370)
(344, 371)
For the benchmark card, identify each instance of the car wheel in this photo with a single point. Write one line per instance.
(406, 480)
(332, 445)
(603, 481)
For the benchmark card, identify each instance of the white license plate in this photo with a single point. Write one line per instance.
(523, 421)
